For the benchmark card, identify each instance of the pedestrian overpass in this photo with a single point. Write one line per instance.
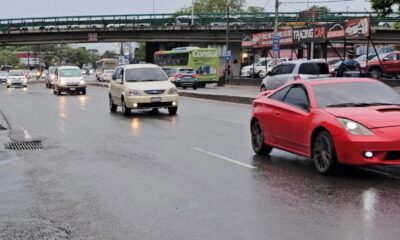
(206, 28)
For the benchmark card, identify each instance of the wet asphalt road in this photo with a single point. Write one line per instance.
(190, 176)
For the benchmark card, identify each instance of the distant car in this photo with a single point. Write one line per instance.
(182, 77)
(335, 68)
(16, 78)
(260, 68)
(142, 86)
(386, 24)
(363, 58)
(49, 78)
(183, 20)
(3, 76)
(294, 70)
(233, 22)
(332, 121)
(69, 79)
(389, 65)
(332, 64)
(32, 74)
(106, 75)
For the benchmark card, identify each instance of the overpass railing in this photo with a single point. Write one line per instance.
(254, 20)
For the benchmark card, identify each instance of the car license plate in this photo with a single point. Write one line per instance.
(72, 89)
(155, 99)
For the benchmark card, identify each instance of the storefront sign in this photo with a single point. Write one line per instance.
(246, 42)
(335, 31)
(263, 40)
(313, 34)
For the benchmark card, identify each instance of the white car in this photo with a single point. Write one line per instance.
(260, 68)
(386, 24)
(16, 78)
(233, 22)
(142, 86)
(106, 75)
(69, 79)
(294, 70)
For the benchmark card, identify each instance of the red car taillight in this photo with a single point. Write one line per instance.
(297, 77)
(194, 75)
(178, 75)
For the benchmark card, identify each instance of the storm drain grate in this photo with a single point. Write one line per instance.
(31, 145)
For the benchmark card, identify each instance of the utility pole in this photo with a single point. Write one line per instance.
(227, 43)
(193, 1)
(312, 22)
(227, 27)
(276, 53)
(154, 11)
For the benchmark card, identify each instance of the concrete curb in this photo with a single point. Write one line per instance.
(4, 133)
(222, 98)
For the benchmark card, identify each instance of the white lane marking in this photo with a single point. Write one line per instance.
(224, 158)
(27, 135)
(227, 120)
(380, 173)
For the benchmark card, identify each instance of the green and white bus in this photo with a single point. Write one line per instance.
(205, 61)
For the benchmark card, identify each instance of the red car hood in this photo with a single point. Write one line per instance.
(371, 117)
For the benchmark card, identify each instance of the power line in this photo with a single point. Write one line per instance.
(268, 2)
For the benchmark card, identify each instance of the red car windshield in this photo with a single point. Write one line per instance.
(355, 94)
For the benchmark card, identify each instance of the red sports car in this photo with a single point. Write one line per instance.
(332, 121)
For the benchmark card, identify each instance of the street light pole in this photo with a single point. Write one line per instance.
(154, 11)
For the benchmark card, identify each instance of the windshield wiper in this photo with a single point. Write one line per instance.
(361, 104)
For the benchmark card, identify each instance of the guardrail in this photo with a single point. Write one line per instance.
(255, 20)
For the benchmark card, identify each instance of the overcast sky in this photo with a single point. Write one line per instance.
(39, 8)
(47, 8)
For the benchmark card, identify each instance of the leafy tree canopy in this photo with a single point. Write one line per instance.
(204, 6)
(385, 7)
(8, 58)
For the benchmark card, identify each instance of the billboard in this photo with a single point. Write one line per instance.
(357, 28)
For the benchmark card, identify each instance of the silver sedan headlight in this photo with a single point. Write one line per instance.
(173, 91)
(63, 82)
(134, 93)
(82, 83)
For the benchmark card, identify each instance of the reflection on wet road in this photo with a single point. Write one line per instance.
(190, 176)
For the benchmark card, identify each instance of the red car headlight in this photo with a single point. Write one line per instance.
(354, 128)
